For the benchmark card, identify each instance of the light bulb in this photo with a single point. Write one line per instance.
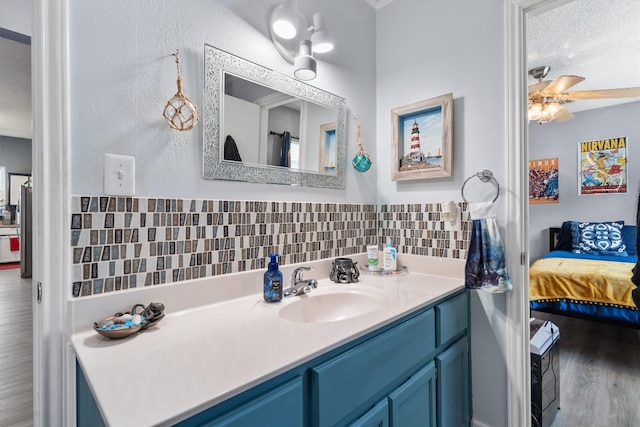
(284, 20)
(319, 37)
(304, 64)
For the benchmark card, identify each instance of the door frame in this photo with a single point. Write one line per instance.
(53, 366)
(517, 157)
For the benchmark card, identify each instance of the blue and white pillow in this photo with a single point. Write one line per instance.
(598, 238)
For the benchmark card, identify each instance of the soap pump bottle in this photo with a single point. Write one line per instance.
(389, 257)
(272, 289)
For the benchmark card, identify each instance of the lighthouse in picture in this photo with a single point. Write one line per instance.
(414, 153)
(415, 140)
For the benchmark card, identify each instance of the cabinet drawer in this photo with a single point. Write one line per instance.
(349, 381)
(451, 317)
(280, 407)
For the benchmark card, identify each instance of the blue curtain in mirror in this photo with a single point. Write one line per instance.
(284, 151)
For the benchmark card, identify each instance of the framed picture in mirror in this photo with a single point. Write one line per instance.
(328, 148)
(422, 139)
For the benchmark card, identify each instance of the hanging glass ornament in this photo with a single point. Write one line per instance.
(180, 112)
(361, 162)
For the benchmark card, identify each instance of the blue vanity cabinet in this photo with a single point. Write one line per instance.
(435, 394)
(412, 372)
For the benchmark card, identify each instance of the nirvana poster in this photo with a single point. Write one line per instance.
(603, 166)
(543, 181)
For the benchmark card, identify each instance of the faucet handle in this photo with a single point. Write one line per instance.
(297, 273)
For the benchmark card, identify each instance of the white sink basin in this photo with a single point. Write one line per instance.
(322, 307)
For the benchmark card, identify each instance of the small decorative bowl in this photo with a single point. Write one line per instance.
(121, 325)
(105, 327)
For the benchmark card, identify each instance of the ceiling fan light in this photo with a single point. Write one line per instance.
(535, 111)
(553, 108)
(545, 116)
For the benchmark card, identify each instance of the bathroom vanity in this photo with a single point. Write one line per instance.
(396, 352)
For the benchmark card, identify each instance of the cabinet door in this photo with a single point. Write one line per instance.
(282, 407)
(378, 416)
(453, 385)
(352, 382)
(414, 402)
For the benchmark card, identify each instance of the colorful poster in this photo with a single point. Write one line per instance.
(603, 166)
(543, 181)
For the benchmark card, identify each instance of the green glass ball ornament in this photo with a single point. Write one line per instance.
(361, 162)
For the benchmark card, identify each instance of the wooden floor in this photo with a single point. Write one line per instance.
(599, 373)
(16, 354)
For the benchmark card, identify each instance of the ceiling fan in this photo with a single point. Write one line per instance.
(546, 97)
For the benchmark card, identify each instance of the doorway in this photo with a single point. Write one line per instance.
(16, 313)
(594, 356)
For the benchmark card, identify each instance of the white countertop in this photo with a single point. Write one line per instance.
(213, 345)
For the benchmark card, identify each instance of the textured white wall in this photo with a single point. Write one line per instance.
(122, 74)
(561, 140)
(16, 16)
(426, 49)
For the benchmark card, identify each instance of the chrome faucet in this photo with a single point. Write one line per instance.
(299, 286)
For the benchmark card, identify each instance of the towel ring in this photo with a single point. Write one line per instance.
(485, 175)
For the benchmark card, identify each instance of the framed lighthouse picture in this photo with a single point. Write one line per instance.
(422, 135)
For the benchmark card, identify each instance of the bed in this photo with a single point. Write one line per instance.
(587, 273)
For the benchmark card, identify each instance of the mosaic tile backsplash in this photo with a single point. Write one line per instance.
(127, 242)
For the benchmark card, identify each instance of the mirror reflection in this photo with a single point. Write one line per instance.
(263, 126)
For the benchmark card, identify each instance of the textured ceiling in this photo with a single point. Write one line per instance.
(595, 39)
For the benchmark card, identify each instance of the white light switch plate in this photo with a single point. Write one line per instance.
(119, 175)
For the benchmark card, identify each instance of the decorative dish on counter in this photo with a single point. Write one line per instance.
(379, 271)
(121, 325)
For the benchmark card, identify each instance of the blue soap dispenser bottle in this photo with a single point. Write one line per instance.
(272, 289)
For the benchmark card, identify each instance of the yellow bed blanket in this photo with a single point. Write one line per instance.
(600, 282)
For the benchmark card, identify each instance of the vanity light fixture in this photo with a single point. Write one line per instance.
(305, 64)
(295, 41)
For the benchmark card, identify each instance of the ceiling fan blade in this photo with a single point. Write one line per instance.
(629, 92)
(537, 87)
(562, 116)
(563, 83)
